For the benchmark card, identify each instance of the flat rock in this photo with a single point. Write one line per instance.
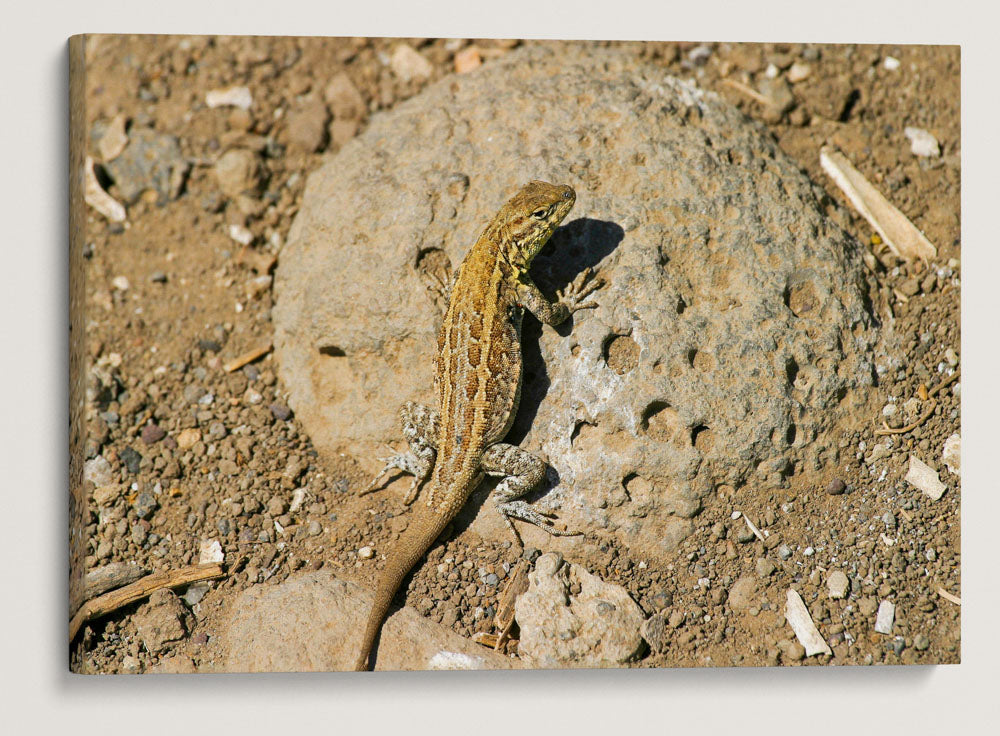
(597, 627)
(312, 622)
(732, 342)
(923, 477)
(837, 584)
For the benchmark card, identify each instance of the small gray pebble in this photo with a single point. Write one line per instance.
(531, 554)
(223, 526)
(139, 533)
(921, 642)
(246, 534)
(280, 411)
(145, 505)
(193, 392)
(784, 552)
(209, 346)
(492, 579)
(889, 519)
(158, 277)
(315, 528)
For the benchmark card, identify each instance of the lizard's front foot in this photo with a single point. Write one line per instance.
(581, 287)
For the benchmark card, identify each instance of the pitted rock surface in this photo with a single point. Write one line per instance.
(734, 340)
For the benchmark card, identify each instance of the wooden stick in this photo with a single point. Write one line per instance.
(248, 357)
(748, 91)
(138, 590)
(949, 597)
(927, 412)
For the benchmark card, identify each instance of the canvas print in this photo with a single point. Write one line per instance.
(450, 353)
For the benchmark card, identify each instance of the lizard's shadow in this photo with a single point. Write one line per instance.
(576, 246)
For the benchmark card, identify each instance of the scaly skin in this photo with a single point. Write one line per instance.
(477, 383)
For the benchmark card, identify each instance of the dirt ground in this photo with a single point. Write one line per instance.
(195, 452)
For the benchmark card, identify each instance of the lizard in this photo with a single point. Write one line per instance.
(477, 386)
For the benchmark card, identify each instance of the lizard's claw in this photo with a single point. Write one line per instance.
(581, 287)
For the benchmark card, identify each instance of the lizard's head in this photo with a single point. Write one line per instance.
(530, 217)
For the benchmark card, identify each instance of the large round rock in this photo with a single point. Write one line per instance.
(733, 342)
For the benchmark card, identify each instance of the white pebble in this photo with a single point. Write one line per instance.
(120, 282)
(922, 143)
(735, 515)
(808, 551)
(891, 63)
(366, 553)
(884, 617)
(231, 96)
(240, 234)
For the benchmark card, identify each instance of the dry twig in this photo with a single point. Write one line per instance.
(248, 357)
(927, 412)
(115, 599)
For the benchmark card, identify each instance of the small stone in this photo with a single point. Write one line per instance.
(676, 619)
(837, 584)
(798, 72)
(408, 64)
(745, 534)
(239, 171)
(952, 357)
(209, 346)
(921, 642)
(867, 606)
(922, 143)
(192, 393)
(366, 553)
(889, 519)
(467, 59)
(891, 63)
(836, 487)
(314, 528)
(229, 96)
(275, 507)
(139, 534)
(210, 551)
(114, 140)
(784, 552)
(223, 526)
(796, 652)
(910, 287)
(195, 593)
(307, 127)
(152, 433)
(884, 617)
(951, 455)
(344, 99)
(160, 621)
(120, 283)
(145, 505)
(531, 554)
(106, 495)
(150, 161)
(764, 568)
(158, 277)
(280, 411)
(743, 593)
(97, 471)
(924, 478)
(188, 438)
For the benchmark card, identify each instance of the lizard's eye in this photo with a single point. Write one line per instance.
(540, 214)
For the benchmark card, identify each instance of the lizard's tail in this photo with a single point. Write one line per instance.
(418, 536)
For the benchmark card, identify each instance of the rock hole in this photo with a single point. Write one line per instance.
(791, 371)
(702, 438)
(661, 421)
(332, 350)
(577, 428)
(681, 305)
(790, 434)
(621, 353)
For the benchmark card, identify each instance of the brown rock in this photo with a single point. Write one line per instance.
(160, 621)
(238, 171)
(311, 623)
(307, 127)
(344, 99)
